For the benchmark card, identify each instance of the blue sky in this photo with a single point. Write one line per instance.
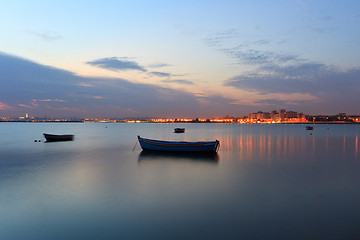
(178, 58)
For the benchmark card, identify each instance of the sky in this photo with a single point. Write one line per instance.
(180, 59)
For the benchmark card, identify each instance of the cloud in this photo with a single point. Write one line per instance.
(247, 52)
(333, 88)
(116, 64)
(230, 36)
(47, 35)
(272, 101)
(3, 106)
(276, 104)
(98, 97)
(322, 30)
(310, 78)
(45, 91)
(161, 74)
(218, 38)
(26, 106)
(49, 100)
(83, 84)
(220, 106)
(159, 65)
(252, 56)
(179, 81)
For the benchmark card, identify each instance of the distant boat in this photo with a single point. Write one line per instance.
(309, 128)
(57, 138)
(179, 130)
(172, 146)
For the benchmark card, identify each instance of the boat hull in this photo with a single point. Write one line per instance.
(179, 130)
(170, 146)
(58, 138)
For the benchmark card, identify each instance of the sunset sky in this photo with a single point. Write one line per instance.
(178, 58)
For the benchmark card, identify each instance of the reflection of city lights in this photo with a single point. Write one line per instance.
(267, 147)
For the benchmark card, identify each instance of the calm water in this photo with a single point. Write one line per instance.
(266, 182)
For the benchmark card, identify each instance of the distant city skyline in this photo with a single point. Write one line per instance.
(187, 59)
(283, 116)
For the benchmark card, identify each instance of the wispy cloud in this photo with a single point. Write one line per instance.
(84, 84)
(231, 37)
(272, 102)
(313, 78)
(98, 97)
(49, 100)
(331, 87)
(323, 30)
(275, 103)
(248, 52)
(116, 64)
(46, 35)
(26, 106)
(252, 56)
(218, 38)
(161, 74)
(3, 106)
(159, 65)
(178, 81)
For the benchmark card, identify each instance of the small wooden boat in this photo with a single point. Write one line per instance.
(57, 138)
(172, 146)
(179, 130)
(309, 128)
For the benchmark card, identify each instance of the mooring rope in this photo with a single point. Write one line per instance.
(135, 145)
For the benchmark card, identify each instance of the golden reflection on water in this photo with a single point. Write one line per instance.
(288, 146)
(356, 146)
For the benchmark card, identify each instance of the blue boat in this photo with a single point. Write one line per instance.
(172, 146)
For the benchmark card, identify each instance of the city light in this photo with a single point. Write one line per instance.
(273, 117)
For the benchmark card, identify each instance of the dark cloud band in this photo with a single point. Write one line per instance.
(116, 64)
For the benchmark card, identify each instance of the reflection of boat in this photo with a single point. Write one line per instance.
(179, 130)
(211, 157)
(158, 145)
(309, 128)
(57, 138)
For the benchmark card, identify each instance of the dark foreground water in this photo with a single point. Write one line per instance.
(266, 182)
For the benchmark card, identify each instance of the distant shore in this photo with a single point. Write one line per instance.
(177, 122)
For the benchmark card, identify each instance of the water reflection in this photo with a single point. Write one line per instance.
(268, 175)
(267, 146)
(211, 158)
